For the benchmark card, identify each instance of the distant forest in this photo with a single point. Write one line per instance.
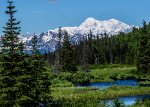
(102, 49)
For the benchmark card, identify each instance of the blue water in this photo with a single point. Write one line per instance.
(130, 100)
(104, 85)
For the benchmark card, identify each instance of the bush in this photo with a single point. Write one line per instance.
(80, 102)
(61, 83)
(113, 76)
(65, 76)
(122, 76)
(81, 77)
(117, 103)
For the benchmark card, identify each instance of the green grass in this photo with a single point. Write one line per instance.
(67, 95)
(99, 73)
(83, 96)
(144, 83)
(61, 83)
(112, 92)
(112, 72)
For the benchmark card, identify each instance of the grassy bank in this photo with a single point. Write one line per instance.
(144, 83)
(65, 94)
(112, 92)
(90, 97)
(101, 73)
(112, 72)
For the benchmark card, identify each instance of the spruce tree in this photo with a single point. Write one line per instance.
(143, 63)
(91, 47)
(24, 81)
(34, 45)
(11, 60)
(85, 57)
(39, 77)
(10, 38)
(68, 63)
(58, 59)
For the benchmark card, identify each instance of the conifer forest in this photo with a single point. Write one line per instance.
(99, 70)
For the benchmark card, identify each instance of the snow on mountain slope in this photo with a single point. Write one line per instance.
(47, 41)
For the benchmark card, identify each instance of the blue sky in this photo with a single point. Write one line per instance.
(42, 15)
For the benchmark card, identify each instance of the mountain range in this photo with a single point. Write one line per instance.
(47, 41)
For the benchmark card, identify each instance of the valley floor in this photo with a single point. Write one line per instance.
(66, 94)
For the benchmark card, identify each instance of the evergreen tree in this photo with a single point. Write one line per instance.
(58, 60)
(38, 76)
(143, 62)
(11, 61)
(85, 57)
(91, 48)
(24, 81)
(68, 63)
(34, 45)
(10, 39)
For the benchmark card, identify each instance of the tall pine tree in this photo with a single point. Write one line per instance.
(11, 60)
(58, 59)
(143, 63)
(85, 57)
(68, 63)
(38, 81)
(24, 81)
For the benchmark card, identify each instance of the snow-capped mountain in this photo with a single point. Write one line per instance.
(47, 41)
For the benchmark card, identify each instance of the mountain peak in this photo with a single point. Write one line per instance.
(48, 40)
(89, 22)
(114, 20)
(90, 19)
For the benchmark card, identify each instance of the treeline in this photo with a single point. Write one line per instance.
(99, 49)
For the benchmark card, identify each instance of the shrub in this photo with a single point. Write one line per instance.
(61, 83)
(113, 76)
(81, 77)
(117, 103)
(65, 76)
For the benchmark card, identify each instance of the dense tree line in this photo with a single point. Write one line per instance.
(143, 60)
(124, 48)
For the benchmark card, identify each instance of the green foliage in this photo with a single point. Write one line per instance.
(10, 40)
(79, 102)
(9, 78)
(102, 49)
(11, 61)
(24, 80)
(86, 58)
(57, 68)
(65, 76)
(34, 45)
(40, 78)
(75, 96)
(143, 62)
(100, 73)
(112, 72)
(61, 83)
(81, 77)
(117, 103)
(68, 64)
(142, 103)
